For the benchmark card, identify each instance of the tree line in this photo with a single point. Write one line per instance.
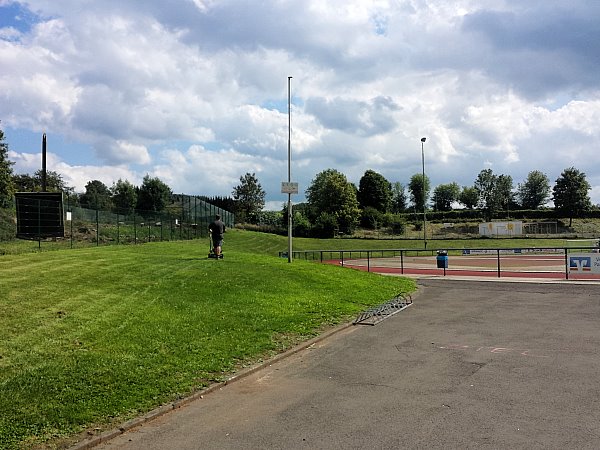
(333, 204)
(330, 196)
(153, 195)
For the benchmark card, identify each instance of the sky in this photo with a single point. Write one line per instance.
(195, 92)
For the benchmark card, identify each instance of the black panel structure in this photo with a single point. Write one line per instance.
(39, 215)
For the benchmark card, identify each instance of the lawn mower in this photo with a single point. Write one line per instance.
(211, 252)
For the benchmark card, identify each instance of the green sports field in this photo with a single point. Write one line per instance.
(92, 337)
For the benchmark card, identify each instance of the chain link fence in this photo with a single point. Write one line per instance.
(187, 217)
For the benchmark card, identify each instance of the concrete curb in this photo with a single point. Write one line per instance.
(93, 441)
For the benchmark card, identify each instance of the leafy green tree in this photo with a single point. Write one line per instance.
(300, 224)
(485, 184)
(535, 191)
(504, 191)
(153, 195)
(123, 196)
(96, 196)
(331, 193)
(399, 199)
(444, 195)
(249, 199)
(415, 187)
(495, 192)
(7, 188)
(374, 191)
(271, 218)
(33, 183)
(469, 197)
(570, 194)
(24, 182)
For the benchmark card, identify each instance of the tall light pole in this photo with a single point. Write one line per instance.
(424, 216)
(289, 169)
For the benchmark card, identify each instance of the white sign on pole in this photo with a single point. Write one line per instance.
(68, 215)
(289, 187)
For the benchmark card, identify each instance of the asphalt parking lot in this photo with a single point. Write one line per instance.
(470, 364)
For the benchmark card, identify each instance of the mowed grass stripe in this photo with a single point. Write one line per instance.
(92, 337)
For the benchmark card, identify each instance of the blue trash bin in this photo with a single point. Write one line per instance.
(442, 259)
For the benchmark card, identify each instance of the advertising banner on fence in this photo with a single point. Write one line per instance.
(510, 251)
(584, 263)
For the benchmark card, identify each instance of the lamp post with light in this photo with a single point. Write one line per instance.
(289, 170)
(424, 216)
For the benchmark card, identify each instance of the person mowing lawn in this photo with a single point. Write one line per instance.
(216, 229)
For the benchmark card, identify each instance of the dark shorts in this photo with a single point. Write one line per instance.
(218, 242)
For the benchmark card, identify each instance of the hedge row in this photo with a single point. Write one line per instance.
(470, 215)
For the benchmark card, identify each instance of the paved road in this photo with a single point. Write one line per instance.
(469, 365)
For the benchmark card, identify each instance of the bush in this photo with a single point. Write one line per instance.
(396, 223)
(325, 226)
(301, 225)
(371, 218)
(8, 227)
(273, 218)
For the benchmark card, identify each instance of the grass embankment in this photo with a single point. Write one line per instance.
(92, 337)
(437, 237)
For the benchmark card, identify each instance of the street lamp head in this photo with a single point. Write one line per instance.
(423, 139)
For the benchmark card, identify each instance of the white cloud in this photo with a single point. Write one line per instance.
(496, 84)
(79, 176)
(74, 176)
(198, 170)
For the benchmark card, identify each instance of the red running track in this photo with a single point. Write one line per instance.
(465, 272)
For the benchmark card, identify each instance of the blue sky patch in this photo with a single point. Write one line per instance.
(16, 16)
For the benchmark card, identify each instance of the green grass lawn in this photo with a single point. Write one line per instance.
(94, 336)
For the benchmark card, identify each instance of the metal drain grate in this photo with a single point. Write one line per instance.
(375, 315)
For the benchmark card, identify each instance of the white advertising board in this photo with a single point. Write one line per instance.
(505, 251)
(584, 263)
(514, 228)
